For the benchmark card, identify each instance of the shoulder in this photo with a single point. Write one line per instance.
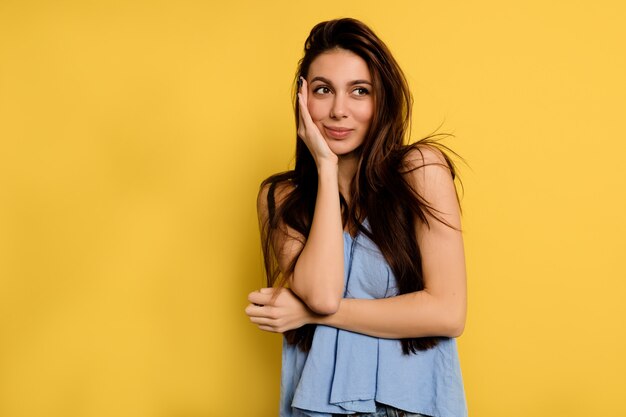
(272, 193)
(425, 165)
(274, 190)
(430, 173)
(423, 155)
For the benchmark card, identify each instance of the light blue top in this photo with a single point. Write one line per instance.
(346, 372)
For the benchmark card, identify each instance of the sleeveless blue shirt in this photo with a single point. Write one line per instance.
(346, 372)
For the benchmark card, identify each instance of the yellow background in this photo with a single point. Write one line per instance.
(134, 135)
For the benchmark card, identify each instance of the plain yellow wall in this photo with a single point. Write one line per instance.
(134, 135)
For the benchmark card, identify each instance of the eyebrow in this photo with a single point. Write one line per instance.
(327, 81)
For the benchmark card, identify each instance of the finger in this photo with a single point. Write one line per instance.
(266, 290)
(305, 102)
(263, 321)
(267, 311)
(305, 90)
(304, 112)
(268, 329)
(303, 106)
(257, 311)
(259, 298)
(306, 122)
(301, 126)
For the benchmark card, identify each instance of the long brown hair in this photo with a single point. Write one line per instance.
(379, 190)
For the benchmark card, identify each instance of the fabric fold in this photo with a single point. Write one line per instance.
(346, 372)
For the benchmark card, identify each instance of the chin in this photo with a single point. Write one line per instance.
(345, 150)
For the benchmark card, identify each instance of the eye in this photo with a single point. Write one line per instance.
(361, 91)
(321, 90)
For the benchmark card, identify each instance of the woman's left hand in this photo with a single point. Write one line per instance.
(277, 313)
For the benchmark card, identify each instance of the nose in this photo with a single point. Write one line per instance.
(339, 108)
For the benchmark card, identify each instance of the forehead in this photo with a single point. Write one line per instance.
(339, 65)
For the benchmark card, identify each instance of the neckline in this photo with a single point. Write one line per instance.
(365, 224)
(345, 232)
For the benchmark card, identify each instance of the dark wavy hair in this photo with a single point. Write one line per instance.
(379, 190)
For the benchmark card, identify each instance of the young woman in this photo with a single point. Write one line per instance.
(362, 244)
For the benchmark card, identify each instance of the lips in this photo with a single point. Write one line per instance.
(336, 132)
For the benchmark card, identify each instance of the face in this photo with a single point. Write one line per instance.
(340, 99)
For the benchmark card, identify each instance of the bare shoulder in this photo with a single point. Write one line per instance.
(431, 175)
(425, 166)
(425, 155)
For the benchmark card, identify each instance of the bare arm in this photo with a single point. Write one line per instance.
(438, 310)
(318, 276)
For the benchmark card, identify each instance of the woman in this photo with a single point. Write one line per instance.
(362, 244)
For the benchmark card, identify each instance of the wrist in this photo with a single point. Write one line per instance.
(330, 164)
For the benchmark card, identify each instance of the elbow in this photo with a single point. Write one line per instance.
(324, 305)
(452, 314)
(455, 325)
(456, 329)
(324, 301)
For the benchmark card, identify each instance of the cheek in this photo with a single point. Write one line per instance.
(365, 113)
(316, 109)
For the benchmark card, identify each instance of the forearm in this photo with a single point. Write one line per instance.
(416, 314)
(318, 277)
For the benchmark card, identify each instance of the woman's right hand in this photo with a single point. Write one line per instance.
(309, 133)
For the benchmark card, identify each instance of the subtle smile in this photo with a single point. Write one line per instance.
(338, 132)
